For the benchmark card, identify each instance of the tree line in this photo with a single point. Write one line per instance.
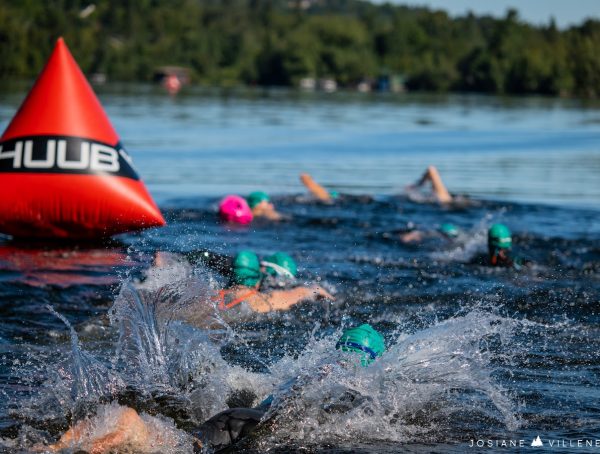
(279, 42)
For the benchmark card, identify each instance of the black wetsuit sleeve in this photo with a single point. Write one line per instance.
(220, 263)
(228, 427)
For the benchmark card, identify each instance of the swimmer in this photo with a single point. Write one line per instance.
(234, 209)
(226, 428)
(132, 431)
(262, 207)
(318, 191)
(366, 344)
(499, 245)
(446, 231)
(439, 189)
(500, 248)
(278, 269)
(253, 287)
(244, 290)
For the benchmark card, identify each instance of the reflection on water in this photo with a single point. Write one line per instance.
(61, 266)
(204, 142)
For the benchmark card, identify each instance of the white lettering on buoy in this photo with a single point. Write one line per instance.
(94, 157)
(15, 154)
(104, 159)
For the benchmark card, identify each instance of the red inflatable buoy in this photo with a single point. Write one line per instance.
(63, 171)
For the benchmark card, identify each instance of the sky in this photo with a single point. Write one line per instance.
(565, 12)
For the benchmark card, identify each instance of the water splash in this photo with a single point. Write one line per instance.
(437, 380)
(158, 352)
(88, 379)
(468, 244)
(425, 384)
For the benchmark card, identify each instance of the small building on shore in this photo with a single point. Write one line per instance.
(390, 82)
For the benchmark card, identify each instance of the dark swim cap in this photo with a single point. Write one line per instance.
(280, 264)
(257, 197)
(246, 269)
(364, 340)
(450, 230)
(499, 237)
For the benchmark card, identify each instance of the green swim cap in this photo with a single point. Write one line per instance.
(246, 269)
(256, 197)
(499, 236)
(363, 340)
(280, 264)
(449, 230)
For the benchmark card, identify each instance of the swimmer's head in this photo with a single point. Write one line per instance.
(280, 264)
(499, 245)
(334, 194)
(499, 237)
(234, 208)
(365, 341)
(256, 198)
(449, 230)
(246, 269)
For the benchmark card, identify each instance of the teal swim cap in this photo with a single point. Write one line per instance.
(280, 264)
(499, 237)
(257, 197)
(334, 194)
(450, 230)
(363, 340)
(246, 269)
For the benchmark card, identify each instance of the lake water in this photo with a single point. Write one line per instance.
(210, 143)
(474, 353)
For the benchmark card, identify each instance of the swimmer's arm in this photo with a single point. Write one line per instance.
(70, 435)
(315, 188)
(282, 300)
(269, 212)
(439, 189)
(274, 215)
(109, 442)
(129, 422)
(414, 236)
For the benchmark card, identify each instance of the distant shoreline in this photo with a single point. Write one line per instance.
(325, 44)
(22, 86)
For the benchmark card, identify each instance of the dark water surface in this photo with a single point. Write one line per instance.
(474, 353)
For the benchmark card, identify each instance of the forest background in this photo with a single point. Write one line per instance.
(280, 42)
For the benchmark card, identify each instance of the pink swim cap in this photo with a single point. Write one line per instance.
(234, 208)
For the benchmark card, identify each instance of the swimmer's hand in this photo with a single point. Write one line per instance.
(414, 236)
(320, 292)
